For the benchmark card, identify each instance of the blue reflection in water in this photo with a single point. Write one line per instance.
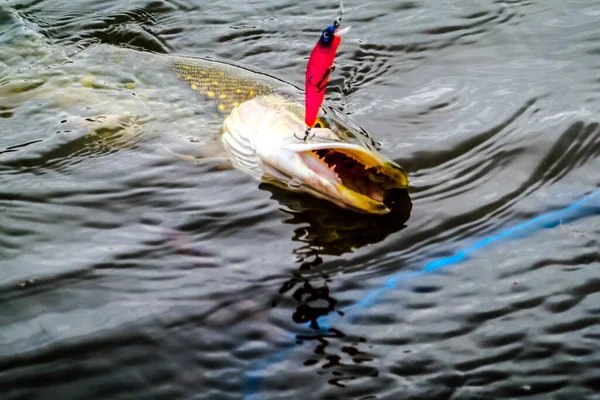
(549, 220)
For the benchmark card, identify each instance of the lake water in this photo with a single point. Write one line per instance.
(127, 272)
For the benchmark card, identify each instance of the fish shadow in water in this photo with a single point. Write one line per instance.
(326, 229)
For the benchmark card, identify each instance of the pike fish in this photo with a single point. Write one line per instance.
(263, 117)
(115, 96)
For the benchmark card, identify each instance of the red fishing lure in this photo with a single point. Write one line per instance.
(320, 65)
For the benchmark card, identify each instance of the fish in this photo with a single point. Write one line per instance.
(107, 99)
(263, 114)
(319, 68)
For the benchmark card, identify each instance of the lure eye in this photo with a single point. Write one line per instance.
(327, 35)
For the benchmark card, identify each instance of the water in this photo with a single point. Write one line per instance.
(127, 272)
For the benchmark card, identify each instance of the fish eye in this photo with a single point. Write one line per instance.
(326, 34)
(321, 122)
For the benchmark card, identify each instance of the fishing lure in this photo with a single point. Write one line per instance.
(319, 68)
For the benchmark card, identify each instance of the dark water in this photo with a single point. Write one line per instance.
(126, 272)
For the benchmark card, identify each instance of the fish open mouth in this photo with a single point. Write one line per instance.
(353, 174)
(363, 178)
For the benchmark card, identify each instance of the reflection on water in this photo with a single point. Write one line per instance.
(330, 231)
(126, 271)
(333, 231)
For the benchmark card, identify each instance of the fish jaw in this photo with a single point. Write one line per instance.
(349, 175)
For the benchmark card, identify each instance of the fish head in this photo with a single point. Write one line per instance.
(264, 137)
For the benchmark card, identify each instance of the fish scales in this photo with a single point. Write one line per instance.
(226, 90)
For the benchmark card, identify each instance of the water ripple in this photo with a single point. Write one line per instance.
(186, 276)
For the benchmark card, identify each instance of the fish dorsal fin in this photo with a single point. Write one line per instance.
(226, 85)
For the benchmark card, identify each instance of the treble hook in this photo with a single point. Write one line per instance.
(307, 133)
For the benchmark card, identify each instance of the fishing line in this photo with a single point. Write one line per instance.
(340, 13)
(548, 220)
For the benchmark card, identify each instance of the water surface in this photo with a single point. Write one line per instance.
(128, 272)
